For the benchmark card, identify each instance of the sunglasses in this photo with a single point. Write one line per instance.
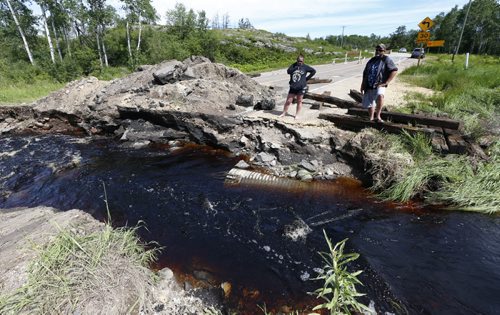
(379, 49)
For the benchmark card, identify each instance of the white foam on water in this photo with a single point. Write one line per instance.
(304, 276)
(297, 231)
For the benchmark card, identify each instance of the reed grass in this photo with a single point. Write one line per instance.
(479, 191)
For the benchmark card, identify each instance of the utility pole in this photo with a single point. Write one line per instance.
(462, 32)
(342, 38)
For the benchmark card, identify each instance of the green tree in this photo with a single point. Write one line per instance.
(399, 38)
(137, 12)
(181, 21)
(482, 28)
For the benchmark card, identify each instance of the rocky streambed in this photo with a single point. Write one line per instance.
(196, 101)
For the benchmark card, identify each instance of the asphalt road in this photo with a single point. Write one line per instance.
(344, 75)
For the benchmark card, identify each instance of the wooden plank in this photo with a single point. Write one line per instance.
(438, 142)
(410, 118)
(331, 100)
(356, 96)
(318, 80)
(357, 123)
(319, 105)
(455, 141)
(475, 150)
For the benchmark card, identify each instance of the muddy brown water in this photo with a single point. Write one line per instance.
(263, 241)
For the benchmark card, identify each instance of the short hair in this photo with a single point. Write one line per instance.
(381, 46)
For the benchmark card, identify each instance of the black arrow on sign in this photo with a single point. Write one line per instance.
(428, 24)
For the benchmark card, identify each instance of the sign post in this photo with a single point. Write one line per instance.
(424, 36)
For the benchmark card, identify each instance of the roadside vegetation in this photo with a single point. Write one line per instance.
(89, 38)
(472, 96)
(85, 274)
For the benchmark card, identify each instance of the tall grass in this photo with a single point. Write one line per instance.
(24, 93)
(471, 95)
(478, 191)
(76, 268)
(426, 176)
(458, 181)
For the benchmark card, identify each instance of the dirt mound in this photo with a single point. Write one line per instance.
(194, 85)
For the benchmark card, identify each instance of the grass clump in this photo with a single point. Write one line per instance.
(426, 176)
(458, 181)
(339, 285)
(85, 273)
(475, 191)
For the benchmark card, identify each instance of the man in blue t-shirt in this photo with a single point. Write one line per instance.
(299, 73)
(379, 71)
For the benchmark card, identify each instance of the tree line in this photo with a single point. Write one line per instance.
(68, 38)
(480, 32)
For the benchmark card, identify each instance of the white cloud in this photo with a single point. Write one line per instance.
(318, 17)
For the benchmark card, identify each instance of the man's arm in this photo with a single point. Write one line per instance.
(389, 79)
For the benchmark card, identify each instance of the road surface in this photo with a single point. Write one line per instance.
(345, 76)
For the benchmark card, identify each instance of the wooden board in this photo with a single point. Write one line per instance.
(318, 80)
(356, 96)
(331, 100)
(455, 141)
(439, 141)
(357, 123)
(319, 105)
(410, 118)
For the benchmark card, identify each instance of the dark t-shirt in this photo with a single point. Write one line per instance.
(377, 71)
(299, 74)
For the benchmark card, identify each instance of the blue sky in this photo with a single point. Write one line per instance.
(320, 18)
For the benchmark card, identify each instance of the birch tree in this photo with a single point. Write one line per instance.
(43, 6)
(21, 32)
(137, 12)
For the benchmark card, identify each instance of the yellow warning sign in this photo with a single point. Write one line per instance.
(435, 43)
(426, 24)
(423, 37)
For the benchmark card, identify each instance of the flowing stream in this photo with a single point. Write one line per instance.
(263, 241)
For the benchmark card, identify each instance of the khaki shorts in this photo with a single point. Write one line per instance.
(370, 96)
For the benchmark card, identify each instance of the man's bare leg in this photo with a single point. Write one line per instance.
(371, 110)
(380, 103)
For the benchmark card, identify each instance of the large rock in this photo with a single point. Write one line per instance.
(171, 72)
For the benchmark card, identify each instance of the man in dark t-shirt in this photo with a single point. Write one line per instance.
(379, 71)
(299, 74)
